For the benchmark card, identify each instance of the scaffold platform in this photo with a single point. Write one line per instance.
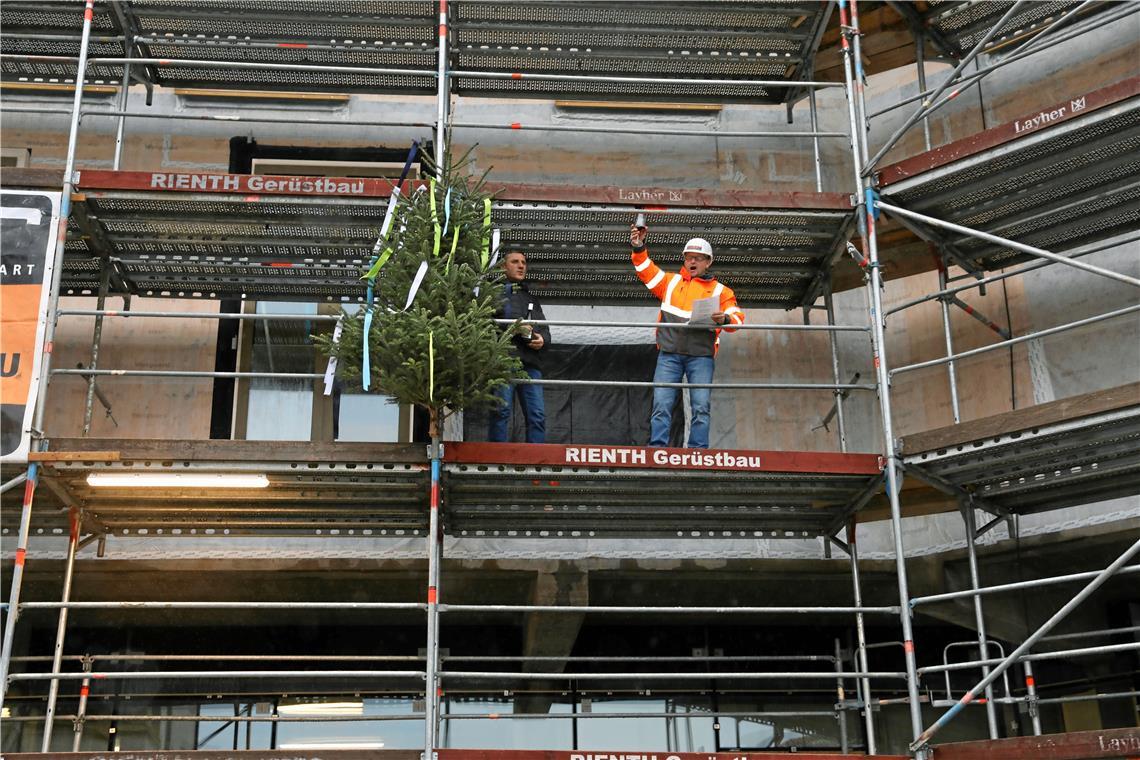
(635, 51)
(1056, 179)
(489, 490)
(1059, 454)
(313, 488)
(213, 236)
(585, 491)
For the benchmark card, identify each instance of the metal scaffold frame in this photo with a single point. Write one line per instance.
(435, 673)
(991, 669)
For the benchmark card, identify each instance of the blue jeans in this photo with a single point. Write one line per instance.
(670, 369)
(530, 399)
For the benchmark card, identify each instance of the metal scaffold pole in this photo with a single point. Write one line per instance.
(924, 738)
(835, 370)
(45, 361)
(853, 73)
(96, 341)
(979, 617)
(76, 519)
(442, 97)
(861, 639)
(951, 370)
(431, 684)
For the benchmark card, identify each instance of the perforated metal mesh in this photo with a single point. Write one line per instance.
(292, 21)
(1092, 143)
(49, 17)
(1072, 187)
(712, 15)
(175, 75)
(183, 207)
(1038, 469)
(531, 87)
(968, 23)
(420, 57)
(508, 213)
(291, 247)
(724, 67)
(51, 72)
(317, 8)
(215, 229)
(490, 500)
(559, 39)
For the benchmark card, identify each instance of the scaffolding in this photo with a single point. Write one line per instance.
(217, 237)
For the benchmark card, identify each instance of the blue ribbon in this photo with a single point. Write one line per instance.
(447, 210)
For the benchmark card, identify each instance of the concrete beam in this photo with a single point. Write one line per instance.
(552, 634)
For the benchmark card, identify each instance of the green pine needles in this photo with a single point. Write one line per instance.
(443, 352)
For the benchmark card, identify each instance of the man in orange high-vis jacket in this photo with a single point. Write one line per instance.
(687, 353)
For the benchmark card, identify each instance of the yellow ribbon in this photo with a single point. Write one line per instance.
(434, 217)
(431, 366)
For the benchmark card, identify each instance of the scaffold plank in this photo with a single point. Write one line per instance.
(1059, 178)
(1050, 412)
(1073, 745)
(214, 235)
(1055, 455)
(549, 490)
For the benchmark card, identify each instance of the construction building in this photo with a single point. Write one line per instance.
(916, 532)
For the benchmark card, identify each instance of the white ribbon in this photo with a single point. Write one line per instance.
(330, 370)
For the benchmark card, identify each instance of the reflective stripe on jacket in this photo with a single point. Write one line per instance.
(677, 292)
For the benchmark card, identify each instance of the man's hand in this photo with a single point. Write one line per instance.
(719, 317)
(536, 342)
(637, 237)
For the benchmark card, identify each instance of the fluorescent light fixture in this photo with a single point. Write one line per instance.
(331, 744)
(322, 708)
(176, 480)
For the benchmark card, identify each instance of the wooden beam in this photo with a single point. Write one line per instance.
(630, 106)
(198, 92)
(1049, 413)
(1076, 745)
(91, 89)
(74, 456)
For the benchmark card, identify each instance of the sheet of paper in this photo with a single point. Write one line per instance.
(703, 309)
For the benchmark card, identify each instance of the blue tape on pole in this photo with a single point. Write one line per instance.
(873, 203)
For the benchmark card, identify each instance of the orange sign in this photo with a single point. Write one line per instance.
(27, 247)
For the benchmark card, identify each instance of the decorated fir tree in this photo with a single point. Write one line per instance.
(431, 340)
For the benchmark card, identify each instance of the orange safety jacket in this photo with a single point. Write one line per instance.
(677, 292)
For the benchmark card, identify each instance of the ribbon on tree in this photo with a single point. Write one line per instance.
(431, 366)
(454, 243)
(330, 370)
(447, 211)
(486, 231)
(495, 235)
(416, 282)
(434, 218)
(379, 260)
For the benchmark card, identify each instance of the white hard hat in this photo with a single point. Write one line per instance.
(699, 245)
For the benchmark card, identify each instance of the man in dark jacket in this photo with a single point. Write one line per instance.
(518, 303)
